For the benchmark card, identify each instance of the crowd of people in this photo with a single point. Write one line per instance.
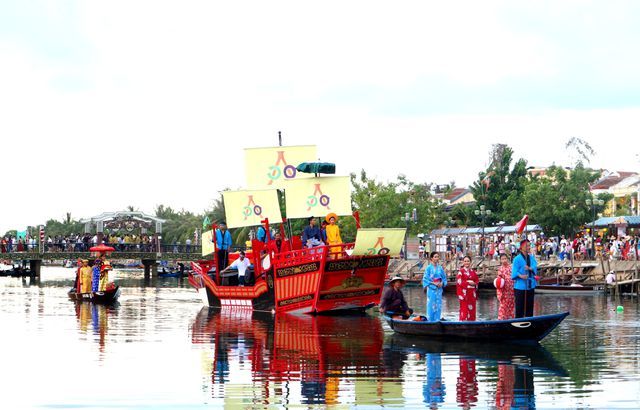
(515, 285)
(580, 247)
(82, 243)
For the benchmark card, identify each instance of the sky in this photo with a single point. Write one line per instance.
(105, 104)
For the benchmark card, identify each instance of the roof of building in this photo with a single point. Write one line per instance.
(611, 179)
(616, 220)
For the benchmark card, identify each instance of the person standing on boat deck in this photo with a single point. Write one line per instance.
(242, 264)
(333, 234)
(393, 302)
(104, 276)
(467, 289)
(504, 289)
(523, 273)
(85, 277)
(223, 243)
(262, 235)
(434, 281)
(312, 236)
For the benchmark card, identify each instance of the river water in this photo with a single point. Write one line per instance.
(159, 349)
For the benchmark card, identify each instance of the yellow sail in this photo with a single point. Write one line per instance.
(249, 208)
(207, 243)
(275, 166)
(379, 241)
(318, 197)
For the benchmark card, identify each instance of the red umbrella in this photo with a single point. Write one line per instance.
(101, 248)
(522, 224)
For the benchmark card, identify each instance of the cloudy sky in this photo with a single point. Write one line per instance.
(105, 104)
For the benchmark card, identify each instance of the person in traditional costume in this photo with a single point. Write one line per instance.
(504, 289)
(467, 384)
(104, 276)
(393, 302)
(434, 281)
(467, 289)
(523, 272)
(333, 234)
(85, 277)
(312, 235)
(434, 388)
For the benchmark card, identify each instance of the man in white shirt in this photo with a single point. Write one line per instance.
(242, 263)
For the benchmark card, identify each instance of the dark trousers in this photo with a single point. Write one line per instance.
(223, 259)
(524, 302)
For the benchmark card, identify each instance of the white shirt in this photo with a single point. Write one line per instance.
(611, 278)
(241, 265)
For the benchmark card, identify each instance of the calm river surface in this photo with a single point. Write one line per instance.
(159, 349)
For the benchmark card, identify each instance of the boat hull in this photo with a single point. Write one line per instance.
(570, 290)
(528, 329)
(104, 298)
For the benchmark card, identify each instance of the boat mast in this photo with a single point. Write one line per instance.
(284, 196)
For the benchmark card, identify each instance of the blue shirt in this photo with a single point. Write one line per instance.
(431, 273)
(518, 268)
(262, 235)
(223, 241)
(312, 232)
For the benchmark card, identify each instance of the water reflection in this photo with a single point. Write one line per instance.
(96, 316)
(285, 353)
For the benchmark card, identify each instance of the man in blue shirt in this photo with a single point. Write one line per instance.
(523, 273)
(262, 235)
(312, 235)
(223, 244)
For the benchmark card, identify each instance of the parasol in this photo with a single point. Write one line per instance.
(101, 248)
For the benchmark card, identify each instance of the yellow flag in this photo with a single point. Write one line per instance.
(274, 167)
(207, 243)
(383, 241)
(318, 197)
(248, 208)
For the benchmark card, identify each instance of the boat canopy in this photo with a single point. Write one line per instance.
(317, 168)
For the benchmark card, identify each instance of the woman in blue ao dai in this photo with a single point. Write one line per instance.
(433, 282)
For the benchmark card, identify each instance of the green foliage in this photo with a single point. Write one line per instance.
(557, 201)
(500, 184)
(382, 204)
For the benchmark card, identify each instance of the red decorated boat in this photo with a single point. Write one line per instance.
(292, 276)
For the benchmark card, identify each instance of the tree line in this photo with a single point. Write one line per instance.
(555, 200)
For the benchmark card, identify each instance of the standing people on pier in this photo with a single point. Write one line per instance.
(467, 289)
(523, 273)
(223, 243)
(504, 289)
(434, 281)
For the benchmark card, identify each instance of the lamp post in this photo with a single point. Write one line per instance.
(482, 212)
(593, 202)
(408, 218)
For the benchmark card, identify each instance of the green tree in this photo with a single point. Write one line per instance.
(557, 201)
(499, 182)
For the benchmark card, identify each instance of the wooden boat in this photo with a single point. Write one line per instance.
(574, 289)
(317, 280)
(528, 329)
(107, 297)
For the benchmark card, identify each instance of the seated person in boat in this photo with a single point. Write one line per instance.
(312, 235)
(393, 302)
(242, 264)
(278, 245)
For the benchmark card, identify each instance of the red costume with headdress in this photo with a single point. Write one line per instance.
(467, 294)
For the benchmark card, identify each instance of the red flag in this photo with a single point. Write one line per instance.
(356, 215)
(522, 224)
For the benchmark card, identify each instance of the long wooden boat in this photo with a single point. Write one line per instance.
(105, 298)
(316, 280)
(571, 289)
(528, 329)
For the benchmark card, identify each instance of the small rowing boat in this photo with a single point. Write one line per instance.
(107, 297)
(526, 329)
(574, 289)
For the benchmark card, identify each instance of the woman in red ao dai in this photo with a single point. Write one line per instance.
(467, 289)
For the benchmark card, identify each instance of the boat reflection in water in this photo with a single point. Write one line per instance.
(253, 359)
(297, 359)
(95, 317)
(516, 363)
